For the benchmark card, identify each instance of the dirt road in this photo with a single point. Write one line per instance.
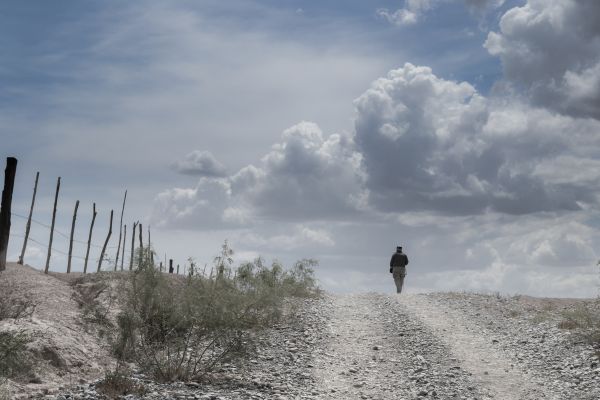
(412, 346)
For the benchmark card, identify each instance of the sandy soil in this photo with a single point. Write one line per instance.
(69, 352)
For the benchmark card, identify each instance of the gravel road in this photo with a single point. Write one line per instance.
(436, 346)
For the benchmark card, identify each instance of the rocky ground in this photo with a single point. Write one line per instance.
(376, 346)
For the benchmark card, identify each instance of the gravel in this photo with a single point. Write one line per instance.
(375, 346)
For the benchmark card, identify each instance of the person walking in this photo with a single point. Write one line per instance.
(398, 265)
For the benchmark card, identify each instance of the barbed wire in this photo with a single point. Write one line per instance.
(54, 249)
(61, 233)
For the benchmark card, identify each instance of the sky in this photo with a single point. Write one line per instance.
(467, 131)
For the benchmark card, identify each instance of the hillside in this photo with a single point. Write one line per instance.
(367, 346)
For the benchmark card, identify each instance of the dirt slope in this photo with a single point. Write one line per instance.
(69, 353)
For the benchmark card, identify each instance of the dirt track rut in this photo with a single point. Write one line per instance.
(405, 347)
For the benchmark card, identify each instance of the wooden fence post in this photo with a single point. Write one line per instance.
(132, 246)
(71, 238)
(120, 231)
(160, 267)
(52, 227)
(141, 243)
(177, 269)
(105, 242)
(7, 192)
(150, 248)
(89, 243)
(124, 240)
(28, 226)
(170, 266)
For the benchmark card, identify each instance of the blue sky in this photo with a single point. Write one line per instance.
(313, 129)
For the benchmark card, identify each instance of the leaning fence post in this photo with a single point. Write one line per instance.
(150, 248)
(120, 232)
(7, 192)
(124, 240)
(132, 246)
(105, 242)
(28, 226)
(87, 252)
(71, 238)
(52, 227)
(141, 243)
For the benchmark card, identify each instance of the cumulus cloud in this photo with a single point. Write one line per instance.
(414, 10)
(305, 176)
(200, 163)
(552, 49)
(411, 13)
(438, 145)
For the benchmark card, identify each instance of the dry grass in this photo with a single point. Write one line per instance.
(117, 384)
(584, 320)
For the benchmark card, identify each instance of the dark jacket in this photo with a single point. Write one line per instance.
(399, 259)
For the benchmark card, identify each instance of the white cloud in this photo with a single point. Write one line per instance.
(411, 13)
(415, 10)
(433, 144)
(305, 176)
(200, 163)
(552, 49)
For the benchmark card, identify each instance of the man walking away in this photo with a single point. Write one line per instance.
(398, 265)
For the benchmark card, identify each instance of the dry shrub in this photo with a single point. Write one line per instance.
(584, 320)
(14, 360)
(12, 304)
(14, 357)
(88, 292)
(180, 329)
(117, 384)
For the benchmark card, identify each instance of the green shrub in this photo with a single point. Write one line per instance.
(179, 328)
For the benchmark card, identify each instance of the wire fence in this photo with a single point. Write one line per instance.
(108, 262)
(57, 251)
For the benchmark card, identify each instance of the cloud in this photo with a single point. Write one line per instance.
(552, 50)
(438, 145)
(415, 10)
(200, 163)
(409, 15)
(301, 237)
(481, 6)
(304, 177)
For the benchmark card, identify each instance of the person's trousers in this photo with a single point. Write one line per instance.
(399, 273)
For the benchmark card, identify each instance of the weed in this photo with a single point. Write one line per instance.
(13, 353)
(584, 320)
(13, 305)
(181, 328)
(88, 296)
(116, 384)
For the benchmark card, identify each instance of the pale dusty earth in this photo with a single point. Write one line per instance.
(358, 346)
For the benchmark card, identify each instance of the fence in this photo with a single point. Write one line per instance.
(124, 251)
